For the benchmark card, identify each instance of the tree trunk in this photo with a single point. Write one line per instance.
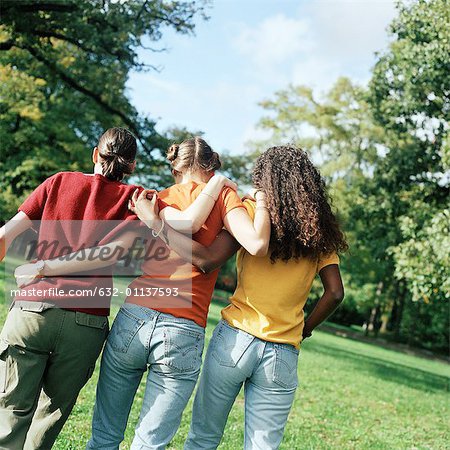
(400, 299)
(416, 314)
(388, 310)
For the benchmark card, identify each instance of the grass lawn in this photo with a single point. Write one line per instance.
(352, 395)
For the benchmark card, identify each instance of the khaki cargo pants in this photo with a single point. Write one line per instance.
(45, 359)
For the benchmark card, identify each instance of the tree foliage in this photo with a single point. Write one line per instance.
(63, 67)
(385, 151)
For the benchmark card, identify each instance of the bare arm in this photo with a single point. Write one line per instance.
(80, 261)
(8, 232)
(217, 254)
(254, 236)
(194, 216)
(102, 256)
(205, 258)
(330, 300)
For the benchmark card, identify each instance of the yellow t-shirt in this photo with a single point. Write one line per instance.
(269, 298)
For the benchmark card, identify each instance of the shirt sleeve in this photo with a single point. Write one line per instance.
(228, 200)
(250, 206)
(162, 204)
(34, 205)
(327, 260)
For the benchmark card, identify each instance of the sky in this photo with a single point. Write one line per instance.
(248, 50)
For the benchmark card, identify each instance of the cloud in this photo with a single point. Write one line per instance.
(351, 30)
(250, 56)
(223, 106)
(273, 41)
(346, 35)
(315, 72)
(322, 41)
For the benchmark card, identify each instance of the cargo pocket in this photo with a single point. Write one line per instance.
(229, 344)
(91, 321)
(3, 365)
(285, 367)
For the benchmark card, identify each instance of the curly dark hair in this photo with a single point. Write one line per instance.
(303, 224)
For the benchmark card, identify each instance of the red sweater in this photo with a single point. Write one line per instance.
(76, 211)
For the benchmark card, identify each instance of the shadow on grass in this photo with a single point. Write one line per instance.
(377, 367)
(386, 370)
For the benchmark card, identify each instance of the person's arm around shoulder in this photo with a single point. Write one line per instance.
(254, 235)
(194, 216)
(77, 261)
(204, 258)
(210, 258)
(332, 297)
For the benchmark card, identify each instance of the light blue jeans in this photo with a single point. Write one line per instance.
(268, 372)
(142, 340)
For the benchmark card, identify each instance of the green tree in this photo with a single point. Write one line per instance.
(409, 97)
(385, 152)
(63, 68)
(340, 136)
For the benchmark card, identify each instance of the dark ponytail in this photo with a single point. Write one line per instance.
(117, 149)
(172, 153)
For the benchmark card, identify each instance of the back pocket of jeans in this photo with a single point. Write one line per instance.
(183, 348)
(229, 344)
(124, 329)
(285, 367)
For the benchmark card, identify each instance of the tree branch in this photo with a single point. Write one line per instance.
(62, 37)
(35, 7)
(94, 96)
(16, 124)
(141, 10)
(73, 41)
(154, 50)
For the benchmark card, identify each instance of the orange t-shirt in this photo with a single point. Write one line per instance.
(172, 273)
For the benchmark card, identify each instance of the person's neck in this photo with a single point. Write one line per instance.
(98, 169)
(195, 177)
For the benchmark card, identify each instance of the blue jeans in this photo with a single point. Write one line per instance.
(170, 349)
(268, 372)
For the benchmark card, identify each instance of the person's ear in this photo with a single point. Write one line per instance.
(95, 155)
(133, 166)
(176, 175)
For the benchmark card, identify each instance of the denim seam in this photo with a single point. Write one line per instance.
(130, 315)
(287, 347)
(226, 324)
(126, 342)
(195, 348)
(149, 337)
(180, 320)
(276, 371)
